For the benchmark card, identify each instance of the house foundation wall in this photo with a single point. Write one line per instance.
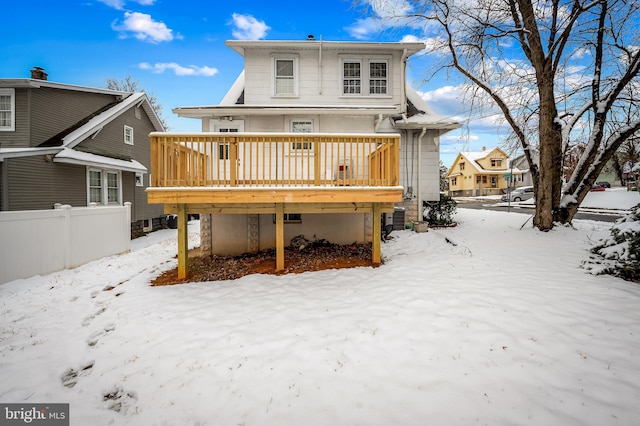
(233, 234)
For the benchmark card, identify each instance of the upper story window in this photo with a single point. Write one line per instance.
(461, 166)
(378, 77)
(128, 135)
(7, 109)
(352, 77)
(285, 75)
(496, 162)
(365, 76)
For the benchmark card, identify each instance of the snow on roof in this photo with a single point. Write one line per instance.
(473, 156)
(234, 92)
(71, 156)
(26, 152)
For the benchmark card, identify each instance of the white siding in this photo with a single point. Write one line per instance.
(424, 178)
(230, 232)
(312, 91)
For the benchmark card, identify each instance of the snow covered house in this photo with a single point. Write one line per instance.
(314, 137)
(481, 173)
(75, 145)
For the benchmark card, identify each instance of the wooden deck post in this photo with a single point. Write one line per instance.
(279, 237)
(377, 234)
(183, 244)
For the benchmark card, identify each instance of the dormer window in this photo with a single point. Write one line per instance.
(496, 162)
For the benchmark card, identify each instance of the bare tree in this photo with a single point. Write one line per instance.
(560, 72)
(130, 85)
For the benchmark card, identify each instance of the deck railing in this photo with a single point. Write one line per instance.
(270, 159)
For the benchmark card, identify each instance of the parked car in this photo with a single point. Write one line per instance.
(519, 194)
(596, 188)
(604, 184)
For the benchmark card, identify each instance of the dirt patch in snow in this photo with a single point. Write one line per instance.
(311, 256)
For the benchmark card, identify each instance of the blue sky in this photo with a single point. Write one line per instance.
(175, 49)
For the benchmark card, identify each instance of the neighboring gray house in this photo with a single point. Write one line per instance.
(327, 87)
(75, 145)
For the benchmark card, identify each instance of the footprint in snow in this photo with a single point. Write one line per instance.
(70, 377)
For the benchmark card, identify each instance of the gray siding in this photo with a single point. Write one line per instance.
(3, 188)
(55, 110)
(45, 112)
(111, 140)
(20, 136)
(35, 183)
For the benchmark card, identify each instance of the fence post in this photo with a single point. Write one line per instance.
(127, 224)
(67, 235)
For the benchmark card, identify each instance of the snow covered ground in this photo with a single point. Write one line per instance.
(485, 323)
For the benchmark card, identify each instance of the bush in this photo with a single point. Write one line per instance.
(439, 213)
(620, 253)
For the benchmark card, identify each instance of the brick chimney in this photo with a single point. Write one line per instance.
(38, 73)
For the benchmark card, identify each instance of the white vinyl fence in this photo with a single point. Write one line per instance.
(39, 242)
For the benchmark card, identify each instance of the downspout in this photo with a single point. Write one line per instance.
(403, 83)
(4, 181)
(419, 192)
(320, 67)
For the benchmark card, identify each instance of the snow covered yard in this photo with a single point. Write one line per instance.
(497, 326)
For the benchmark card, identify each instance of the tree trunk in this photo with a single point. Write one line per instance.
(549, 184)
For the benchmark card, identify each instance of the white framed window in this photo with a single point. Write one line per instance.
(362, 76)
(95, 186)
(378, 77)
(301, 126)
(7, 110)
(223, 147)
(139, 179)
(128, 135)
(351, 77)
(285, 75)
(104, 186)
(113, 188)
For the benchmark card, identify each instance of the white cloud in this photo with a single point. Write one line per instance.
(363, 29)
(179, 70)
(144, 28)
(116, 4)
(119, 4)
(385, 14)
(248, 28)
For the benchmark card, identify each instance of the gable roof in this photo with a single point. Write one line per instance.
(472, 158)
(95, 123)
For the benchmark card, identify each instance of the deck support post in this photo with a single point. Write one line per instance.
(279, 236)
(183, 244)
(377, 234)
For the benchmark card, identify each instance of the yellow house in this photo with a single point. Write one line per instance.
(480, 173)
